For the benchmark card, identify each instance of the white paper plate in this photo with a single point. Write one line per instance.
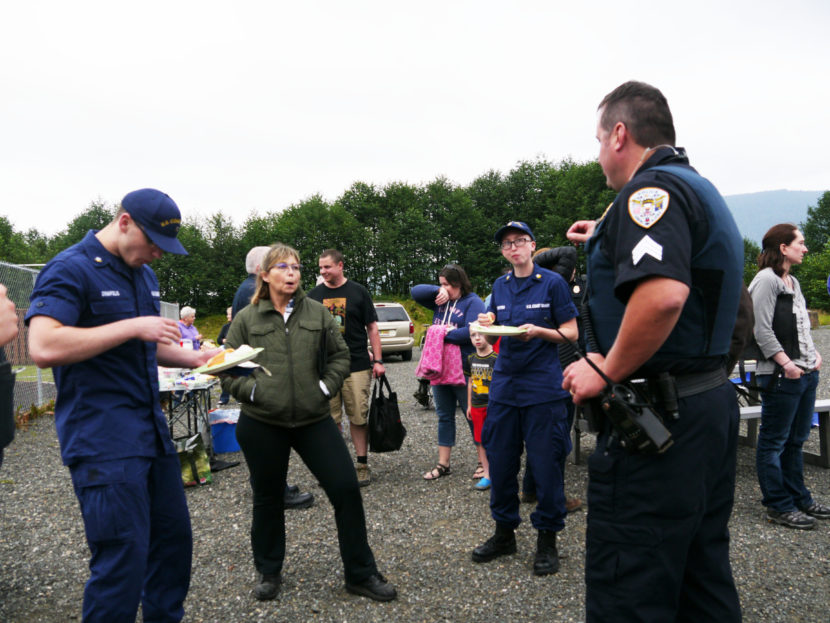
(496, 329)
(232, 360)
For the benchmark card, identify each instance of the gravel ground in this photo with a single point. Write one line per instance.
(421, 532)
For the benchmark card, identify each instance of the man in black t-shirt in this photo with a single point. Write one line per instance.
(352, 307)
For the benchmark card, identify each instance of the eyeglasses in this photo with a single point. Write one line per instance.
(146, 237)
(518, 243)
(283, 267)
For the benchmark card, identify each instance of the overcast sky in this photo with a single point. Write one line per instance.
(245, 106)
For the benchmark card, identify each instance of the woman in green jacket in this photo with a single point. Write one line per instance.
(308, 360)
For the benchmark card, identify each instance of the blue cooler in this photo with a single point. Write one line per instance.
(223, 430)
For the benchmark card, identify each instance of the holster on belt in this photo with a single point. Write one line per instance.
(635, 410)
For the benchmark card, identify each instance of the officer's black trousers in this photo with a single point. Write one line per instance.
(657, 540)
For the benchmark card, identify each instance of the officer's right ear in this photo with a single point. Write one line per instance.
(123, 221)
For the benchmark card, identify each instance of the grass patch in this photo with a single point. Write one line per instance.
(209, 326)
(29, 373)
(421, 316)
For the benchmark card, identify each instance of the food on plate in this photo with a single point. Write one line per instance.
(220, 358)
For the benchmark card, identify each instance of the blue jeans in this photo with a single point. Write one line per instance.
(786, 416)
(446, 397)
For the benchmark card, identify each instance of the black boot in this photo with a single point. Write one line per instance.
(547, 558)
(295, 499)
(503, 542)
(268, 587)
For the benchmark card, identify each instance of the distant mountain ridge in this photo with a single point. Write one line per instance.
(755, 213)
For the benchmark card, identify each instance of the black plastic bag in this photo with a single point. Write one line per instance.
(386, 431)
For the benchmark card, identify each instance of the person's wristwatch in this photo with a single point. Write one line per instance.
(380, 361)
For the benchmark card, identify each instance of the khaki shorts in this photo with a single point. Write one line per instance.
(354, 395)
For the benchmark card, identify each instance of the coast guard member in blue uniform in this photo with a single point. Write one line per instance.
(664, 275)
(527, 402)
(94, 319)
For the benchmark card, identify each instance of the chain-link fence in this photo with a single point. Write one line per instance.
(34, 386)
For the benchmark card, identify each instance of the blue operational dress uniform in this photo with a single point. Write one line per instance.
(657, 539)
(527, 402)
(114, 439)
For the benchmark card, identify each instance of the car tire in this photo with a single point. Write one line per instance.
(406, 355)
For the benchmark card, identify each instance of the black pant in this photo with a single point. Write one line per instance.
(657, 540)
(6, 404)
(320, 445)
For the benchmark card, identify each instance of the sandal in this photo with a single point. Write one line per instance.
(479, 473)
(436, 472)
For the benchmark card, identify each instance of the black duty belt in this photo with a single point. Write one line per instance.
(685, 384)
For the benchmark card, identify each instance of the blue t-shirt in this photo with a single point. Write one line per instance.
(528, 373)
(107, 406)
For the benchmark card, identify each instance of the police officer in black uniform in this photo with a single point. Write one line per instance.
(664, 276)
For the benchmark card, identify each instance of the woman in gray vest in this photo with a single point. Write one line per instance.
(789, 372)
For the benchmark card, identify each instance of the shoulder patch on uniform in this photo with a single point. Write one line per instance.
(647, 206)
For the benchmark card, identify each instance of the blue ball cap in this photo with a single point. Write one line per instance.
(158, 216)
(518, 225)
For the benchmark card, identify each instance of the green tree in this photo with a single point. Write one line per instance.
(13, 247)
(187, 279)
(751, 252)
(392, 237)
(812, 275)
(38, 247)
(816, 228)
(96, 216)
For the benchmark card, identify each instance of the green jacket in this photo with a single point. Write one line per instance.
(291, 396)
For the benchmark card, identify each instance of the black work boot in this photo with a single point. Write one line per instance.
(503, 542)
(547, 558)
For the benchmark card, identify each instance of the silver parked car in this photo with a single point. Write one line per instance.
(396, 330)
